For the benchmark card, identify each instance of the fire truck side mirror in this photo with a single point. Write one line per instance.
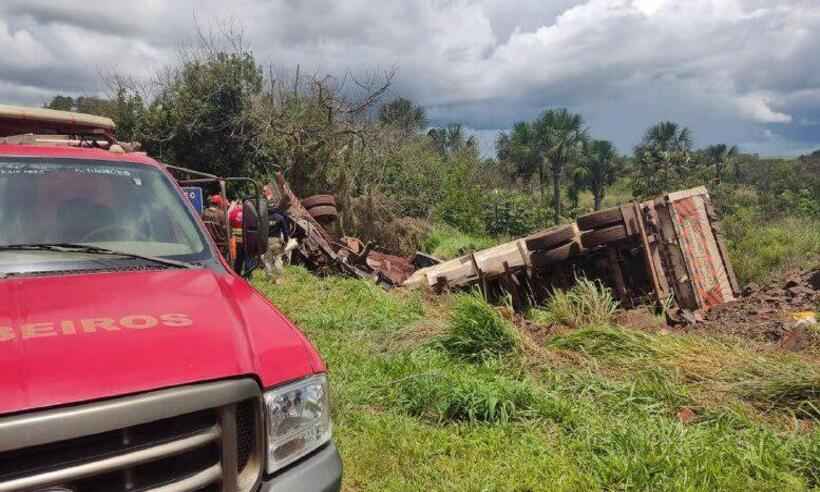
(255, 227)
(264, 224)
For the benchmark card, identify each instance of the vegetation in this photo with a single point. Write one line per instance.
(447, 242)
(477, 332)
(662, 158)
(597, 408)
(588, 302)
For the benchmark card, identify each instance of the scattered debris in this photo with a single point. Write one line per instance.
(780, 312)
(319, 251)
(686, 415)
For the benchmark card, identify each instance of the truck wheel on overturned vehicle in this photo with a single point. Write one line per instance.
(597, 237)
(550, 238)
(319, 201)
(541, 259)
(323, 212)
(600, 219)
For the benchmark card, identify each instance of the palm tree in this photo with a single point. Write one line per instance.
(450, 140)
(600, 169)
(664, 148)
(561, 137)
(523, 150)
(721, 156)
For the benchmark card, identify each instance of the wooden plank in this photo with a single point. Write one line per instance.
(647, 254)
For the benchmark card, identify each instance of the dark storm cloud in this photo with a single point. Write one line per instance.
(739, 71)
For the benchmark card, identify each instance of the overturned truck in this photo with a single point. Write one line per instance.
(668, 251)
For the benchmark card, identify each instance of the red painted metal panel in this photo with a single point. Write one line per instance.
(703, 259)
(74, 338)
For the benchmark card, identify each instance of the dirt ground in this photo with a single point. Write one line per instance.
(768, 312)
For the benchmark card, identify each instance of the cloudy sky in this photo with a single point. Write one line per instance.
(736, 71)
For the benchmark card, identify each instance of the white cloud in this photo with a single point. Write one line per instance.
(743, 63)
(758, 108)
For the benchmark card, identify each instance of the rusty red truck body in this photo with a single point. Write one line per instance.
(131, 356)
(668, 251)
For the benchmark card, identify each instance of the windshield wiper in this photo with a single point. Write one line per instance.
(94, 250)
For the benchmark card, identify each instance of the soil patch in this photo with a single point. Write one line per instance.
(767, 312)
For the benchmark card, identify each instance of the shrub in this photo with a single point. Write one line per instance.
(461, 202)
(510, 213)
(588, 302)
(477, 332)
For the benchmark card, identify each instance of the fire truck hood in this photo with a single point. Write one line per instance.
(75, 338)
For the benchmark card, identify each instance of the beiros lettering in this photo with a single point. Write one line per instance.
(138, 322)
(91, 325)
(34, 330)
(70, 327)
(176, 320)
(6, 333)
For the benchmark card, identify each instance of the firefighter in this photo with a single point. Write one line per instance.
(235, 219)
(279, 242)
(214, 219)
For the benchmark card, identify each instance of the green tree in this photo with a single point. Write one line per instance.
(198, 119)
(721, 157)
(599, 169)
(502, 147)
(62, 103)
(401, 113)
(449, 141)
(561, 136)
(661, 157)
(523, 150)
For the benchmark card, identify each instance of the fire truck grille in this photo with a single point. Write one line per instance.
(214, 449)
(245, 432)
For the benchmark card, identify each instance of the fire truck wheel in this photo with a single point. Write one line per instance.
(600, 219)
(612, 234)
(319, 201)
(541, 259)
(550, 238)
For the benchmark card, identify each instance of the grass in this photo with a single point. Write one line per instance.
(477, 332)
(593, 409)
(586, 303)
(617, 194)
(761, 249)
(446, 242)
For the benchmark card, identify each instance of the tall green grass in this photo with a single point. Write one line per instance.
(477, 332)
(588, 302)
(760, 248)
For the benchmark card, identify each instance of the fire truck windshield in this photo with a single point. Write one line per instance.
(122, 207)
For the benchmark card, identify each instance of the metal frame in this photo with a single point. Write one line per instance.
(203, 178)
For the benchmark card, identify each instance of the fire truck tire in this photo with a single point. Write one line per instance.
(597, 237)
(551, 238)
(600, 219)
(542, 259)
(327, 212)
(319, 201)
